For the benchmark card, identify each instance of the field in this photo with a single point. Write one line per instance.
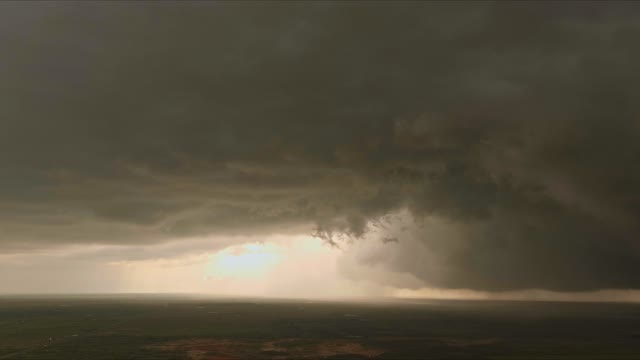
(174, 327)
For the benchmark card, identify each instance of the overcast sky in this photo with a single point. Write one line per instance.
(491, 147)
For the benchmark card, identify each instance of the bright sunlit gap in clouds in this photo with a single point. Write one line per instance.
(278, 266)
(295, 266)
(244, 261)
(285, 266)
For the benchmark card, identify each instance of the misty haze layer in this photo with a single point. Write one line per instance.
(492, 146)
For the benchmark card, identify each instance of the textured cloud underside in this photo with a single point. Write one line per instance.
(508, 132)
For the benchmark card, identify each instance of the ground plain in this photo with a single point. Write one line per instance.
(86, 327)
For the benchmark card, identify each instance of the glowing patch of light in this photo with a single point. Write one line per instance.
(244, 261)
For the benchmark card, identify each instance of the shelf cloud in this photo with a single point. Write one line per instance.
(489, 146)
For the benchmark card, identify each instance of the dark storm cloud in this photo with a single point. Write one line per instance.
(515, 124)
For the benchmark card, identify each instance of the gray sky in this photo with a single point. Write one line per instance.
(493, 145)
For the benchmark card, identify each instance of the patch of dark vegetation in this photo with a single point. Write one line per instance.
(174, 328)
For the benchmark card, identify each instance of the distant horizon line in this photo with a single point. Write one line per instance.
(366, 299)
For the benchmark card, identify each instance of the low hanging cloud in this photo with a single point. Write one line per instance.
(506, 133)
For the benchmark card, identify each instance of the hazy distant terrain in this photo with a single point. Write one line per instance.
(155, 327)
